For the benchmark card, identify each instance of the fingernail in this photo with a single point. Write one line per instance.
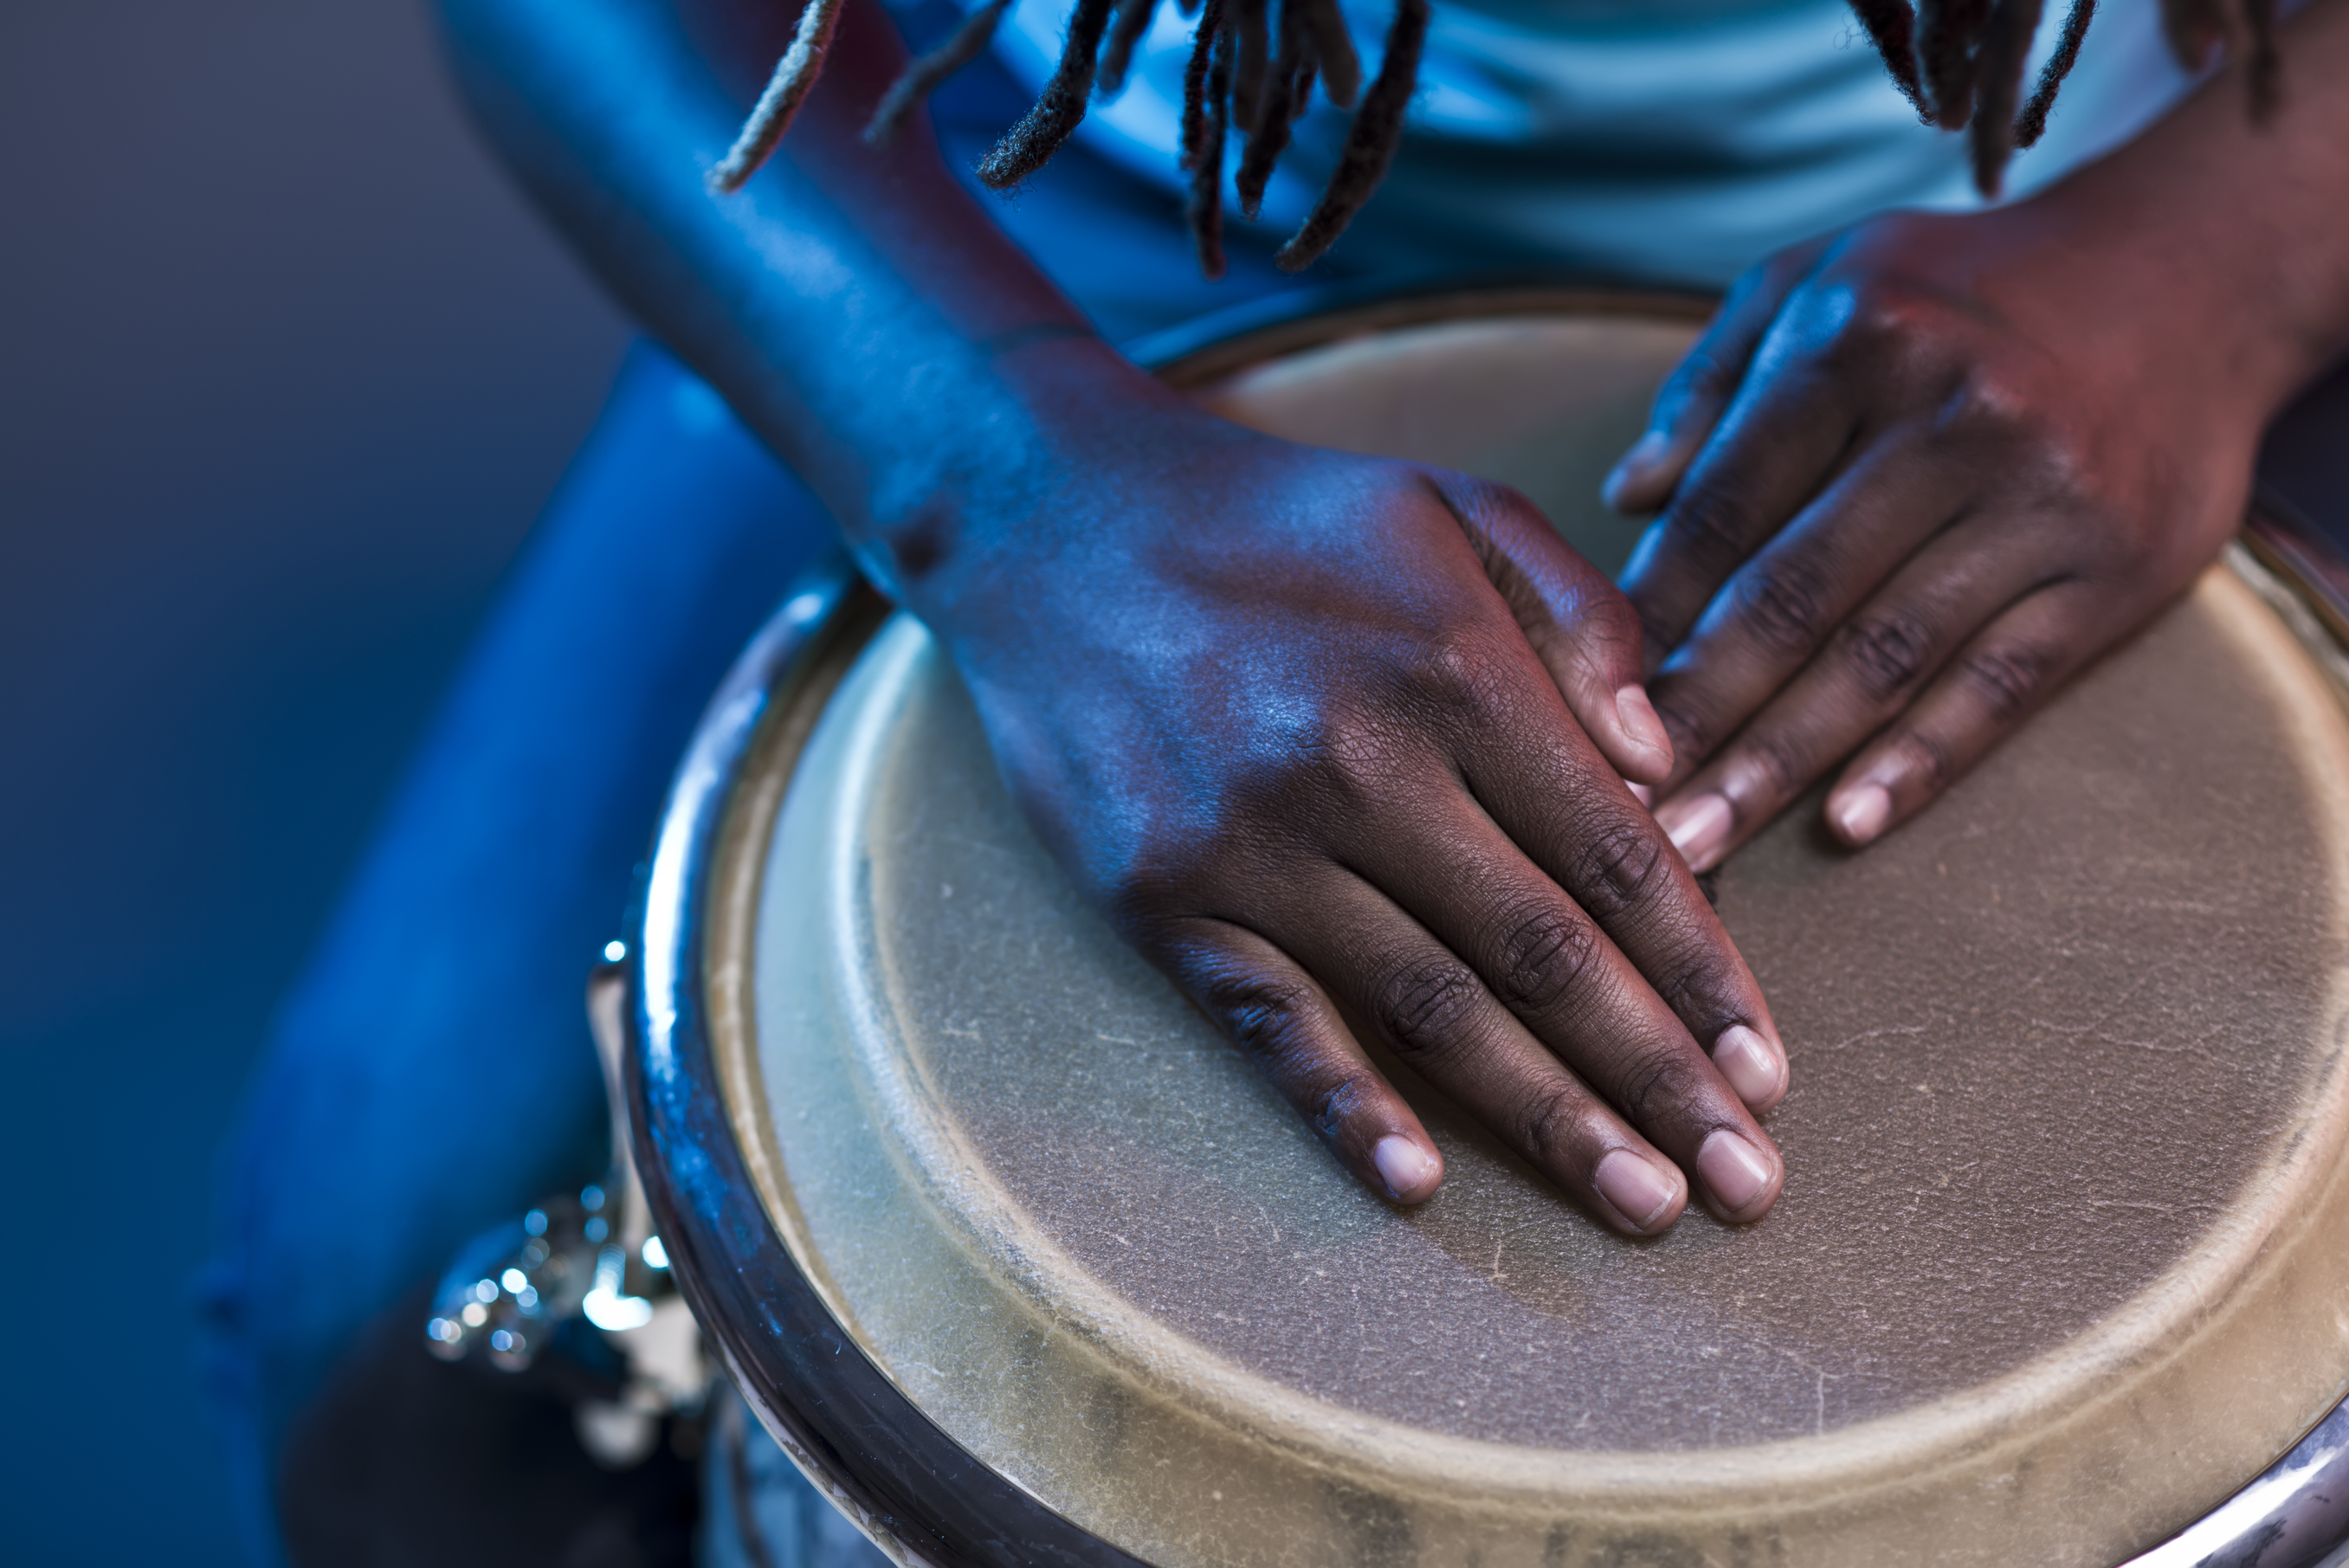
(1638, 1191)
(1860, 814)
(1645, 453)
(1733, 1169)
(1640, 725)
(1642, 793)
(1698, 826)
(1404, 1167)
(1753, 1069)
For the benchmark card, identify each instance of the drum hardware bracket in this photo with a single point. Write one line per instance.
(589, 1258)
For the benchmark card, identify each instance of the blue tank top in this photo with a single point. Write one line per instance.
(1659, 141)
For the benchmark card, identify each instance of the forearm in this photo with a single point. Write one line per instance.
(854, 304)
(2241, 225)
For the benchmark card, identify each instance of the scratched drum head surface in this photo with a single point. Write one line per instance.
(2051, 1275)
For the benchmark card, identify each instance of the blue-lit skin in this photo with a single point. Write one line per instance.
(1316, 731)
(1921, 471)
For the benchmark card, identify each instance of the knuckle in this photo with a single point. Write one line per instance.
(1699, 993)
(1657, 1087)
(1886, 653)
(1337, 1102)
(1770, 765)
(1927, 759)
(1600, 611)
(1611, 642)
(1448, 669)
(1335, 757)
(1982, 405)
(1147, 889)
(2067, 475)
(1507, 505)
(1702, 377)
(1785, 606)
(2005, 679)
(1616, 869)
(1422, 1005)
(1694, 734)
(1551, 1120)
(1711, 526)
(1884, 323)
(1657, 634)
(1264, 1015)
(1879, 325)
(1540, 959)
(1908, 340)
(1337, 735)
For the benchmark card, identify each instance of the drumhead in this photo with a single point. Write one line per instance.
(2055, 1267)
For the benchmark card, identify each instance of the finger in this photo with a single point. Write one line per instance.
(1993, 684)
(1692, 399)
(1282, 1021)
(1599, 1006)
(1503, 992)
(1438, 1017)
(1788, 430)
(1544, 817)
(1585, 631)
(1800, 591)
(1871, 668)
(1537, 787)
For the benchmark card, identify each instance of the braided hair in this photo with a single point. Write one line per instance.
(1960, 62)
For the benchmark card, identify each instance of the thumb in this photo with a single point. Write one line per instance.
(1691, 401)
(1582, 628)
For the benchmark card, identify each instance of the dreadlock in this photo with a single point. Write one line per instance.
(1333, 48)
(1948, 33)
(977, 30)
(795, 73)
(1133, 21)
(2031, 123)
(1247, 67)
(1207, 109)
(1960, 62)
(1889, 24)
(1370, 146)
(1269, 129)
(1039, 135)
(2005, 50)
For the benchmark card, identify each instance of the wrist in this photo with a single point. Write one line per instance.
(1040, 416)
(2171, 293)
(2230, 224)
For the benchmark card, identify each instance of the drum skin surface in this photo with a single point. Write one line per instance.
(2059, 1262)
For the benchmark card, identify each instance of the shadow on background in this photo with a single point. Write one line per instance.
(284, 374)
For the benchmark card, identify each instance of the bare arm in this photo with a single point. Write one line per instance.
(854, 304)
(1323, 737)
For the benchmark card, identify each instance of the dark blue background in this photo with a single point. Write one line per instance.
(285, 372)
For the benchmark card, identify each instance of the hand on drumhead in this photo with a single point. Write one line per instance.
(1911, 479)
(1342, 745)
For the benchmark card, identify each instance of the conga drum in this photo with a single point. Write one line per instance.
(1022, 1264)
